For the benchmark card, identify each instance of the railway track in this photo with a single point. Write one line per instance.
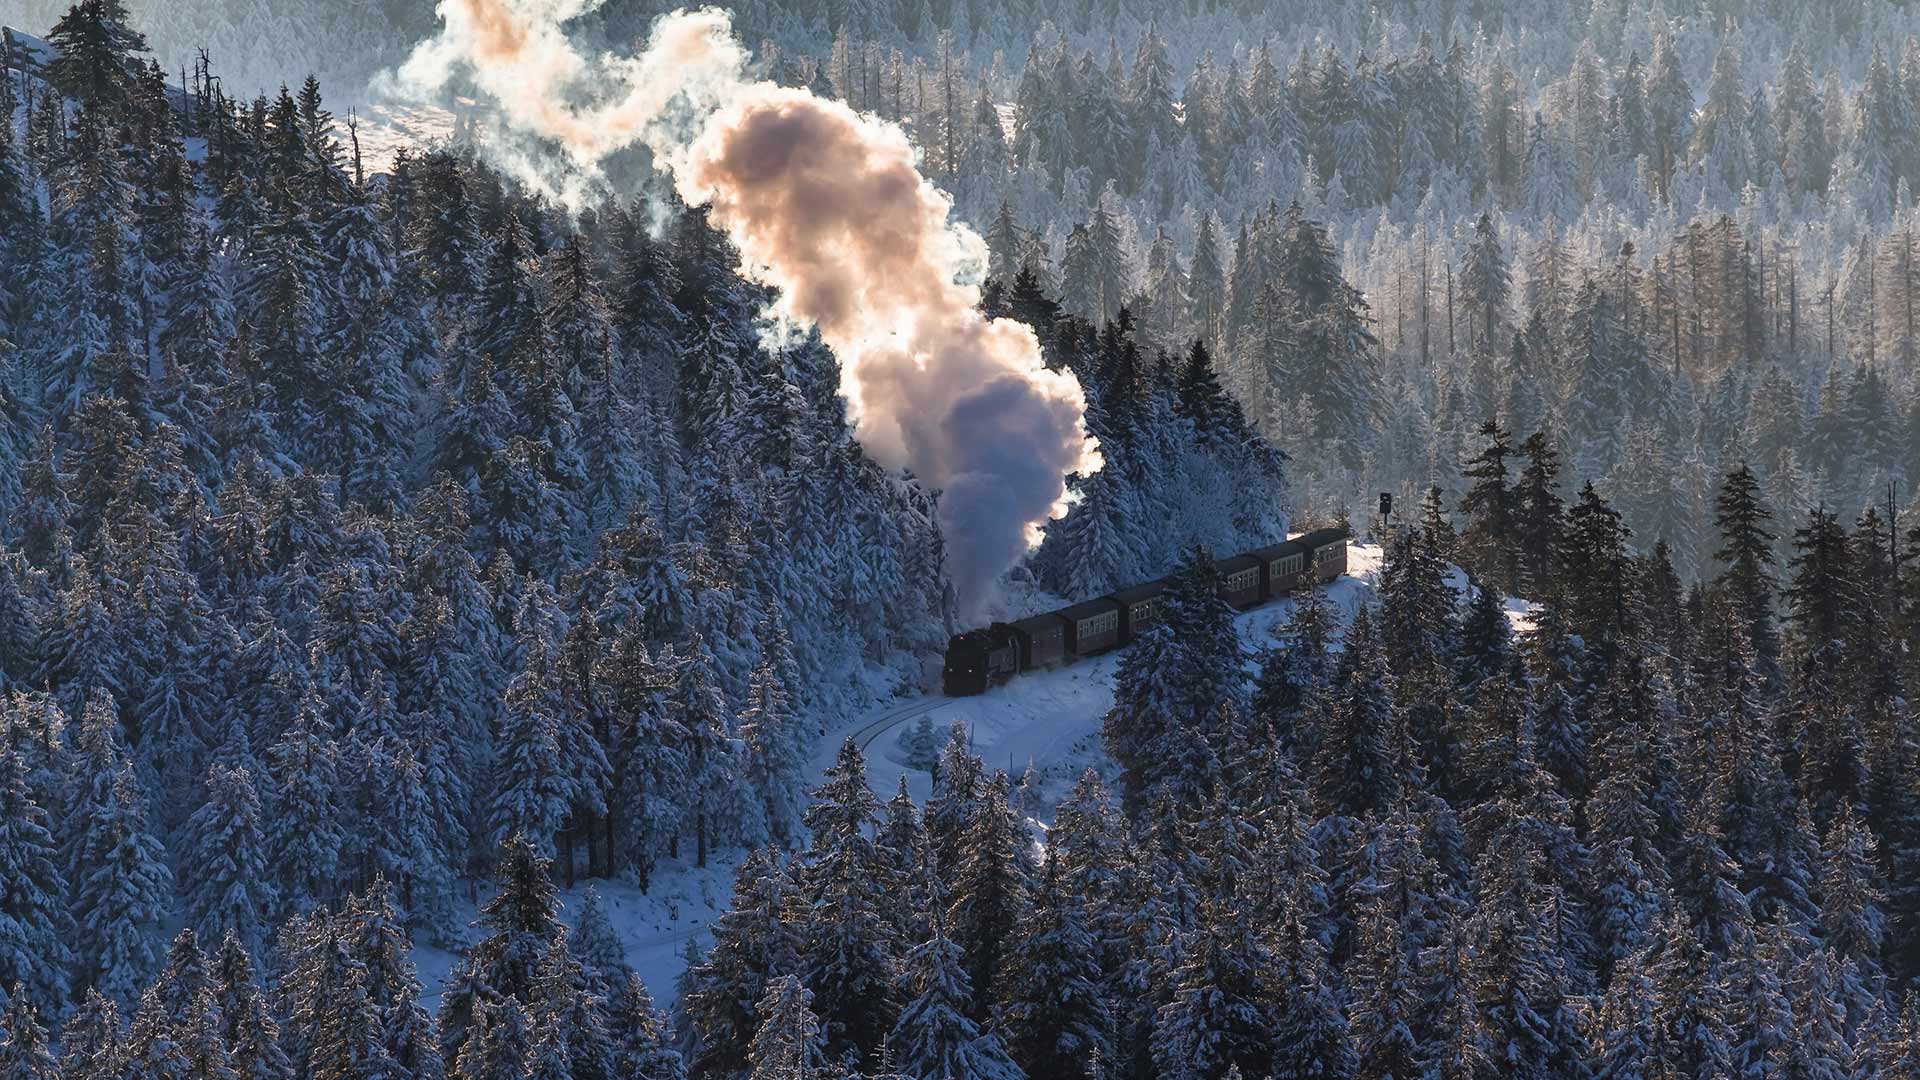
(868, 733)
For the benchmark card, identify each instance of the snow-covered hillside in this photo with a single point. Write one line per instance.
(1049, 720)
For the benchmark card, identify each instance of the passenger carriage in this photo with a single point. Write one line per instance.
(978, 659)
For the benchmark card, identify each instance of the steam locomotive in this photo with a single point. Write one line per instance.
(978, 659)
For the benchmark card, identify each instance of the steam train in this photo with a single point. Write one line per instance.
(978, 659)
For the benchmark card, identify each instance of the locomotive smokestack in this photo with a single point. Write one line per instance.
(826, 205)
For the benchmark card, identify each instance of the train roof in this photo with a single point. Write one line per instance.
(1275, 551)
(1247, 561)
(1089, 609)
(1046, 621)
(1320, 537)
(1146, 590)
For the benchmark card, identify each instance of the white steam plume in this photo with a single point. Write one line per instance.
(827, 206)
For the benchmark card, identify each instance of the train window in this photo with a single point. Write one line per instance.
(1100, 624)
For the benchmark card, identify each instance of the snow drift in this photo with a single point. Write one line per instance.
(824, 204)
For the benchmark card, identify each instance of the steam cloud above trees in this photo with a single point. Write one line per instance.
(827, 206)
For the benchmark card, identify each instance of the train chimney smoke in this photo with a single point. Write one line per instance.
(826, 205)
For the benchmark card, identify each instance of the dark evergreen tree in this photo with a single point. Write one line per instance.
(1746, 553)
(991, 886)
(1540, 517)
(1056, 1020)
(847, 949)
(520, 921)
(36, 960)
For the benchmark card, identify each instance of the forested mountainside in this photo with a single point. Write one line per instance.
(1658, 833)
(381, 539)
(1677, 235)
(356, 524)
(1678, 239)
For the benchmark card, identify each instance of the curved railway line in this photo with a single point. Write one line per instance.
(868, 733)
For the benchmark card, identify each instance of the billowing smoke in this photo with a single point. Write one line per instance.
(827, 206)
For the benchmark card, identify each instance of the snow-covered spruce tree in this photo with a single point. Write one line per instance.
(1385, 1011)
(774, 745)
(302, 824)
(907, 861)
(1422, 634)
(1055, 1019)
(599, 949)
(1521, 977)
(123, 891)
(248, 1026)
(26, 1052)
(1852, 894)
(37, 960)
(533, 792)
(957, 780)
(370, 930)
(1747, 554)
(641, 1039)
(789, 1044)
(224, 875)
(990, 884)
(1217, 1017)
(1355, 764)
(1174, 680)
(153, 1047)
(520, 920)
(847, 951)
(93, 1038)
(712, 798)
(411, 852)
(570, 1016)
(934, 1037)
(754, 940)
(501, 1046)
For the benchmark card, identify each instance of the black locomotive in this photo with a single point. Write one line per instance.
(978, 659)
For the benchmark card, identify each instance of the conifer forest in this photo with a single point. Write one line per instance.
(500, 502)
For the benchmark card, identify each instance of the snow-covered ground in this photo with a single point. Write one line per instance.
(385, 128)
(1049, 720)
(656, 927)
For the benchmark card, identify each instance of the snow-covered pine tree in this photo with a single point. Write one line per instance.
(520, 921)
(1054, 1016)
(790, 1043)
(847, 949)
(36, 960)
(641, 1039)
(224, 875)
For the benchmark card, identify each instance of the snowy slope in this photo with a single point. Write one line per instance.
(24, 51)
(1049, 719)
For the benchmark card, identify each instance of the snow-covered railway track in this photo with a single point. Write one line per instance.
(868, 733)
